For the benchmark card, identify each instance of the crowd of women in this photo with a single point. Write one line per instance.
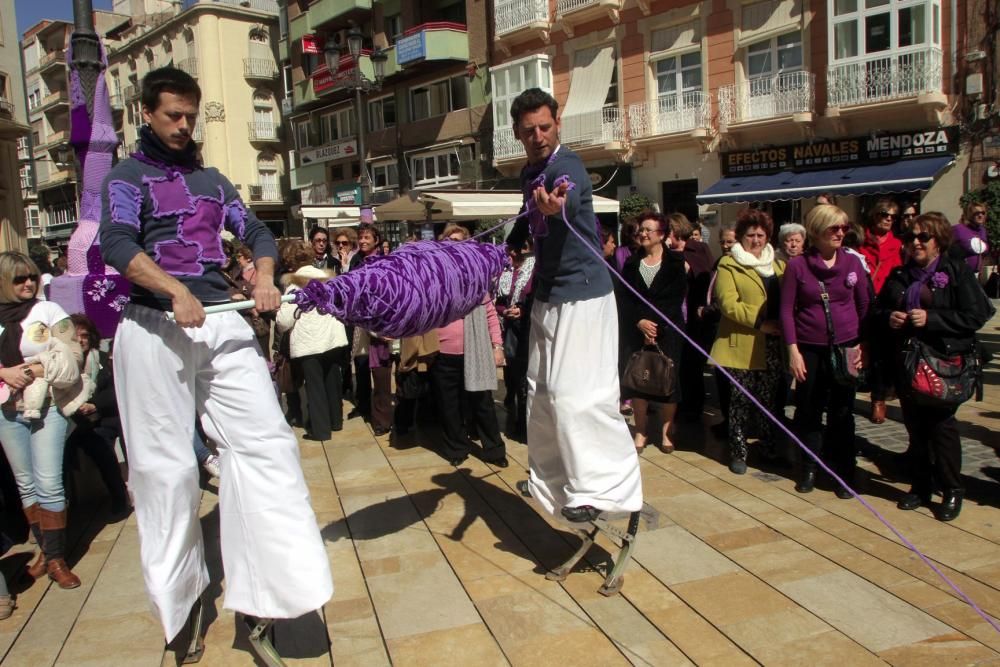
(826, 309)
(832, 307)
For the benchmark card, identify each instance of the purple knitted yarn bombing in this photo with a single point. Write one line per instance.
(417, 288)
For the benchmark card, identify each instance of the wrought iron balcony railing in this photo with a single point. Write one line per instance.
(885, 77)
(767, 97)
(670, 114)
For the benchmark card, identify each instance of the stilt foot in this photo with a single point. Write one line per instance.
(196, 646)
(260, 640)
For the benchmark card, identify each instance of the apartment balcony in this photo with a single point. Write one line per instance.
(260, 68)
(56, 58)
(768, 97)
(199, 133)
(6, 108)
(55, 178)
(268, 6)
(519, 21)
(432, 42)
(262, 131)
(54, 139)
(885, 78)
(323, 82)
(57, 101)
(327, 13)
(506, 146)
(316, 194)
(600, 129)
(132, 93)
(117, 103)
(267, 192)
(189, 65)
(677, 117)
(60, 230)
(571, 13)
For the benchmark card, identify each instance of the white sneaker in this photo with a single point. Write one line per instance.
(211, 466)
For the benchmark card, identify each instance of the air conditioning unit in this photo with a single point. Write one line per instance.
(256, 192)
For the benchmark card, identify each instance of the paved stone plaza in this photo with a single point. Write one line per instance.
(438, 566)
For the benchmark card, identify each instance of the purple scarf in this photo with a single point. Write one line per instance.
(920, 277)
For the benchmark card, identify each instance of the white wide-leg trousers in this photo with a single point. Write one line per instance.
(580, 451)
(272, 552)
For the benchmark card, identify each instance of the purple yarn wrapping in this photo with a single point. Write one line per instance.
(415, 289)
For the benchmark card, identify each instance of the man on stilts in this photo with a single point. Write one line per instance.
(581, 457)
(162, 216)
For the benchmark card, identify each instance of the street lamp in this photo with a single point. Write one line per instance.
(361, 84)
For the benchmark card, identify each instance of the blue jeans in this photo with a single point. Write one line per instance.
(34, 448)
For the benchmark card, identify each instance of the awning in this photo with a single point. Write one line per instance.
(902, 176)
(464, 205)
(333, 216)
(592, 72)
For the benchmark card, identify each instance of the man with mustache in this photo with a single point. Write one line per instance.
(161, 223)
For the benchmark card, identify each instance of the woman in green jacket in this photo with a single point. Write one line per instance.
(748, 345)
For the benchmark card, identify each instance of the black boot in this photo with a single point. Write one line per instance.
(807, 479)
(951, 505)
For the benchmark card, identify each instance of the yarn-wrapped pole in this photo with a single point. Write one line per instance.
(419, 287)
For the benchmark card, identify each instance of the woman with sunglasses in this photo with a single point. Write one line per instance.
(936, 299)
(34, 447)
(659, 275)
(825, 268)
(970, 236)
(748, 345)
(883, 252)
(908, 212)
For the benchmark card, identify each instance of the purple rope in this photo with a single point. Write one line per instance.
(791, 435)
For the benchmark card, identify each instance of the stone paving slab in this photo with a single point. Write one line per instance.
(434, 565)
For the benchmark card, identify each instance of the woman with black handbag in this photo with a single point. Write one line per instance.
(824, 302)
(934, 306)
(748, 344)
(659, 275)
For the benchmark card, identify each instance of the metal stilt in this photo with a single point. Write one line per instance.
(624, 539)
(260, 640)
(196, 646)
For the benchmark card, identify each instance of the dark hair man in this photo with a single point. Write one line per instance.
(582, 458)
(162, 216)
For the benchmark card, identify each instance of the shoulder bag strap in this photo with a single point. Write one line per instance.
(824, 296)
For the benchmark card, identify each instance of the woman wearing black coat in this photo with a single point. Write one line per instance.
(937, 300)
(659, 275)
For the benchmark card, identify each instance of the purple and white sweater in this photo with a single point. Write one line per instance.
(176, 216)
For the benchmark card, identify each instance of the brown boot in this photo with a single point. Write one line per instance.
(36, 569)
(878, 412)
(54, 534)
(60, 573)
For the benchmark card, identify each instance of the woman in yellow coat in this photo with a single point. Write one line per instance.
(748, 345)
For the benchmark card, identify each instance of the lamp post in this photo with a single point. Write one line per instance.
(362, 85)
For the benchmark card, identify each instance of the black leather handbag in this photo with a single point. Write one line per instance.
(649, 371)
(845, 371)
(937, 380)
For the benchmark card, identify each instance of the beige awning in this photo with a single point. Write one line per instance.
(464, 205)
(333, 216)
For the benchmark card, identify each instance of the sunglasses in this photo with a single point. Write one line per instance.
(923, 237)
(20, 280)
(976, 214)
(317, 240)
(343, 243)
(909, 215)
(888, 214)
(647, 230)
(833, 229)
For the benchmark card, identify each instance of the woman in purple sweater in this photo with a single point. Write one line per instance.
(804, 327)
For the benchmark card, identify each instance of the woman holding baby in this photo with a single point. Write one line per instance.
(41, 386)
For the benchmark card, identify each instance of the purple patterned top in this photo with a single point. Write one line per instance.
(176, 217)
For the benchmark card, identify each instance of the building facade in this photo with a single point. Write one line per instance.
(703, 97)
(427, 126)
(230, 48)
(13, 133)
(979, 79)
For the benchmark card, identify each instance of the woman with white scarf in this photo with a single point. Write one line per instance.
(748, 345)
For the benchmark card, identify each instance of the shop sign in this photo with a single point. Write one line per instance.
(332, 151)
(312, 44)
(411, 48)
(834, 153)
(350, 194)
(324, 81)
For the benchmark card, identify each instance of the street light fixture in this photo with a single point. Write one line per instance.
(361, 84)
